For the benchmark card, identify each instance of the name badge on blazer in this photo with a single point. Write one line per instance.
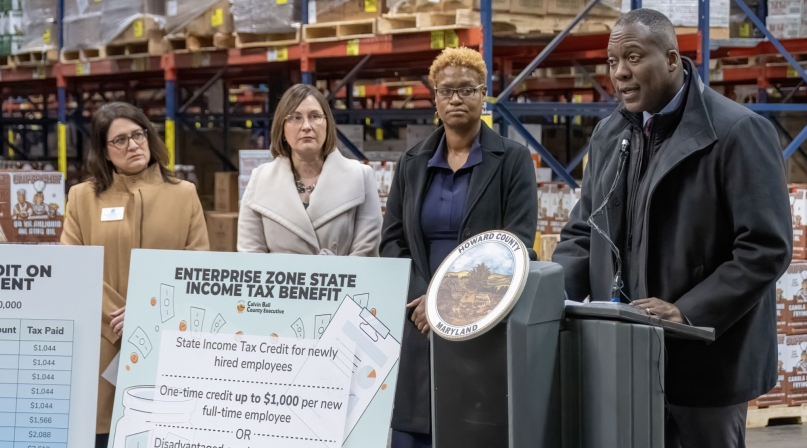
(112, 214)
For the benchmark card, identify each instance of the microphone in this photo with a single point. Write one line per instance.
(624, 151)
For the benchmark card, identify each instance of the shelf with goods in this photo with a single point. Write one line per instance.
(553, 88)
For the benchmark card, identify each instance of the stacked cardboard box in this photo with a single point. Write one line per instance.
(791, 294)
(787, 19)
(11, 27)
(778, 395)
(222, 231)
(684, 13)
(355, 134)
(222, 224)
(795, 365)
(226, 192)
(40, 22)
(248, 160)
(555, 204)
(195, 24)
(263, 17)
(384, 173)
(323, 11)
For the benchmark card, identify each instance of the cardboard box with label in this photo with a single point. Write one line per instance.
(243, 182)
(798, 211)
(32, 206)
(567, 198)
(416, 133)
(777, 395)
(384, 172)
(323, 11)
(794, 296)
(549, 197)
(249, 159)
(355, 134)
(781, 304)
(796, 378)
(548, 245)
(794, 314)
(226, 192)
(784, 27)
(222, 230)
(786, 7)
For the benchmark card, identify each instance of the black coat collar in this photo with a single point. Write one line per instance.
(418, 176)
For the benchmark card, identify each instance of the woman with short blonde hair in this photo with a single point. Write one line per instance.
(462, 180)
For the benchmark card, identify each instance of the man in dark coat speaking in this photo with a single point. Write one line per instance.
(699, 217)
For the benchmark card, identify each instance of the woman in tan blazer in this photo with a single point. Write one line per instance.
(131, 202)
(310, 199)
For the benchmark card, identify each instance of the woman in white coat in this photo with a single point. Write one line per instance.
(310, 199)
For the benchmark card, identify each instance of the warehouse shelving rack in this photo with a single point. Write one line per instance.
(171, 86)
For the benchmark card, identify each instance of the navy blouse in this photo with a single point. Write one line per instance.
(444, 204)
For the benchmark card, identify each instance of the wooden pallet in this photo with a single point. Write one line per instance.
(148, 47)
(342, 30)
(6, 61)
(428, 21)
(249, 40)
(548, 244)
(181, 43)
(504, 24)
(759, 418)
(34, 58)
(714, 32)
(80, 55)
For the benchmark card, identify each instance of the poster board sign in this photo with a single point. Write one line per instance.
(239, 350)
(31, 206)
(50, 329)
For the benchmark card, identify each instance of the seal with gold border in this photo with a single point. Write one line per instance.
(477, 285)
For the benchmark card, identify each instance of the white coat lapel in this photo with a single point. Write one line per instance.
(340, 187)
(282, 203)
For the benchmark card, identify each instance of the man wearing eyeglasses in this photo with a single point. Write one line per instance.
(688, 219)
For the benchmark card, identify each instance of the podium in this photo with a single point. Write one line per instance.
(553, 373)
(612, 375)
(502, 388)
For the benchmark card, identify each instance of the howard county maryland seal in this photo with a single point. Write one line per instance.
(477, 285)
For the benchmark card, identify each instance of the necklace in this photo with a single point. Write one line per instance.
(301, 188)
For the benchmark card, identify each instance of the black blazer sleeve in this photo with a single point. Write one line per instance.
(520, 205)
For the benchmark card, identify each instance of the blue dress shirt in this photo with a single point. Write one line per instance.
(444, 204)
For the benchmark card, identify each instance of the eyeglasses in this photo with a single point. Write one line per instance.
(121, 142)
(464, 92)
(297, 120)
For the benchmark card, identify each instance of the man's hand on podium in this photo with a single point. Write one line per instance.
(419, 314)
(661, 309)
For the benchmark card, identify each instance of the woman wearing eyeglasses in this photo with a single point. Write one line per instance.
(462, 180)
(310, 199)
(130, 202)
